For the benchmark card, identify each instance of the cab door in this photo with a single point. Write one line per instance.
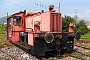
(17, 27)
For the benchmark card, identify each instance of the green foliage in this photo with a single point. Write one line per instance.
(66, 21)
(86, 36)
(4, 42)
(2, 29)
(50, 58)
(81, 27)
(78, 55)
(76, 17)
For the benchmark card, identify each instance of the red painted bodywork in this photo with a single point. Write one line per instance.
(18, 28)
(9, 34)
(31, 39)
(56, 22)
(71, 27)
(50, 21)
(9, 31)
(15, 30)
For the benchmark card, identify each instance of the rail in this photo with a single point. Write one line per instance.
(66, 55)
(9, 55)
(83, 41)
(83, 47)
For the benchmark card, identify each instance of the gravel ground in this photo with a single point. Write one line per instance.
(81, 50)
(18, 53)
(22, 55)
(67, 58)
(4, 57)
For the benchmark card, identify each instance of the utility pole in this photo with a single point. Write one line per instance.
(7, 14)
(76, 11)
(59, 7)
(76, 17)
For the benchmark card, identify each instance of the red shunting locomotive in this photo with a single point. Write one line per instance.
(40, 32)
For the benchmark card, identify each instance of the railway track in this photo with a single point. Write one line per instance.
(13, 57)
(83, 54)
(73, 57)
(66, 57)
(82, 50)
(83, 44)
(83, 41)
(14, 53)
(83, 47)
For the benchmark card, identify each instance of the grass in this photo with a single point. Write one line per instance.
(88, 52)
(78, 55)
(4, 42)
(51, 58)
(86, 36)
(0, 57)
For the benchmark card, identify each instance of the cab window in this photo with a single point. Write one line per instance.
(9, 23)
(17, 20)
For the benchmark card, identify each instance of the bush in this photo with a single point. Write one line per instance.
(81, 27)
(2, 29)
(86, 36)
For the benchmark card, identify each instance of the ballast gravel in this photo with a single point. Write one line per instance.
(22, 55)
(18, 53)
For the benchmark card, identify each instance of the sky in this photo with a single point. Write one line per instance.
(67, 7)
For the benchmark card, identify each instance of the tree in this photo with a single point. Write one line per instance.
(81, 27)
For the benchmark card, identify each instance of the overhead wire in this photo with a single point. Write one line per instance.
(15, 4)
(23, 6)
(3, 16)
(33, 2)
(41, 4)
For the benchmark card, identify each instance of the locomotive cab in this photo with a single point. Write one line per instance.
(15, 24)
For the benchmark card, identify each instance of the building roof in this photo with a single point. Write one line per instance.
(88, 24)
